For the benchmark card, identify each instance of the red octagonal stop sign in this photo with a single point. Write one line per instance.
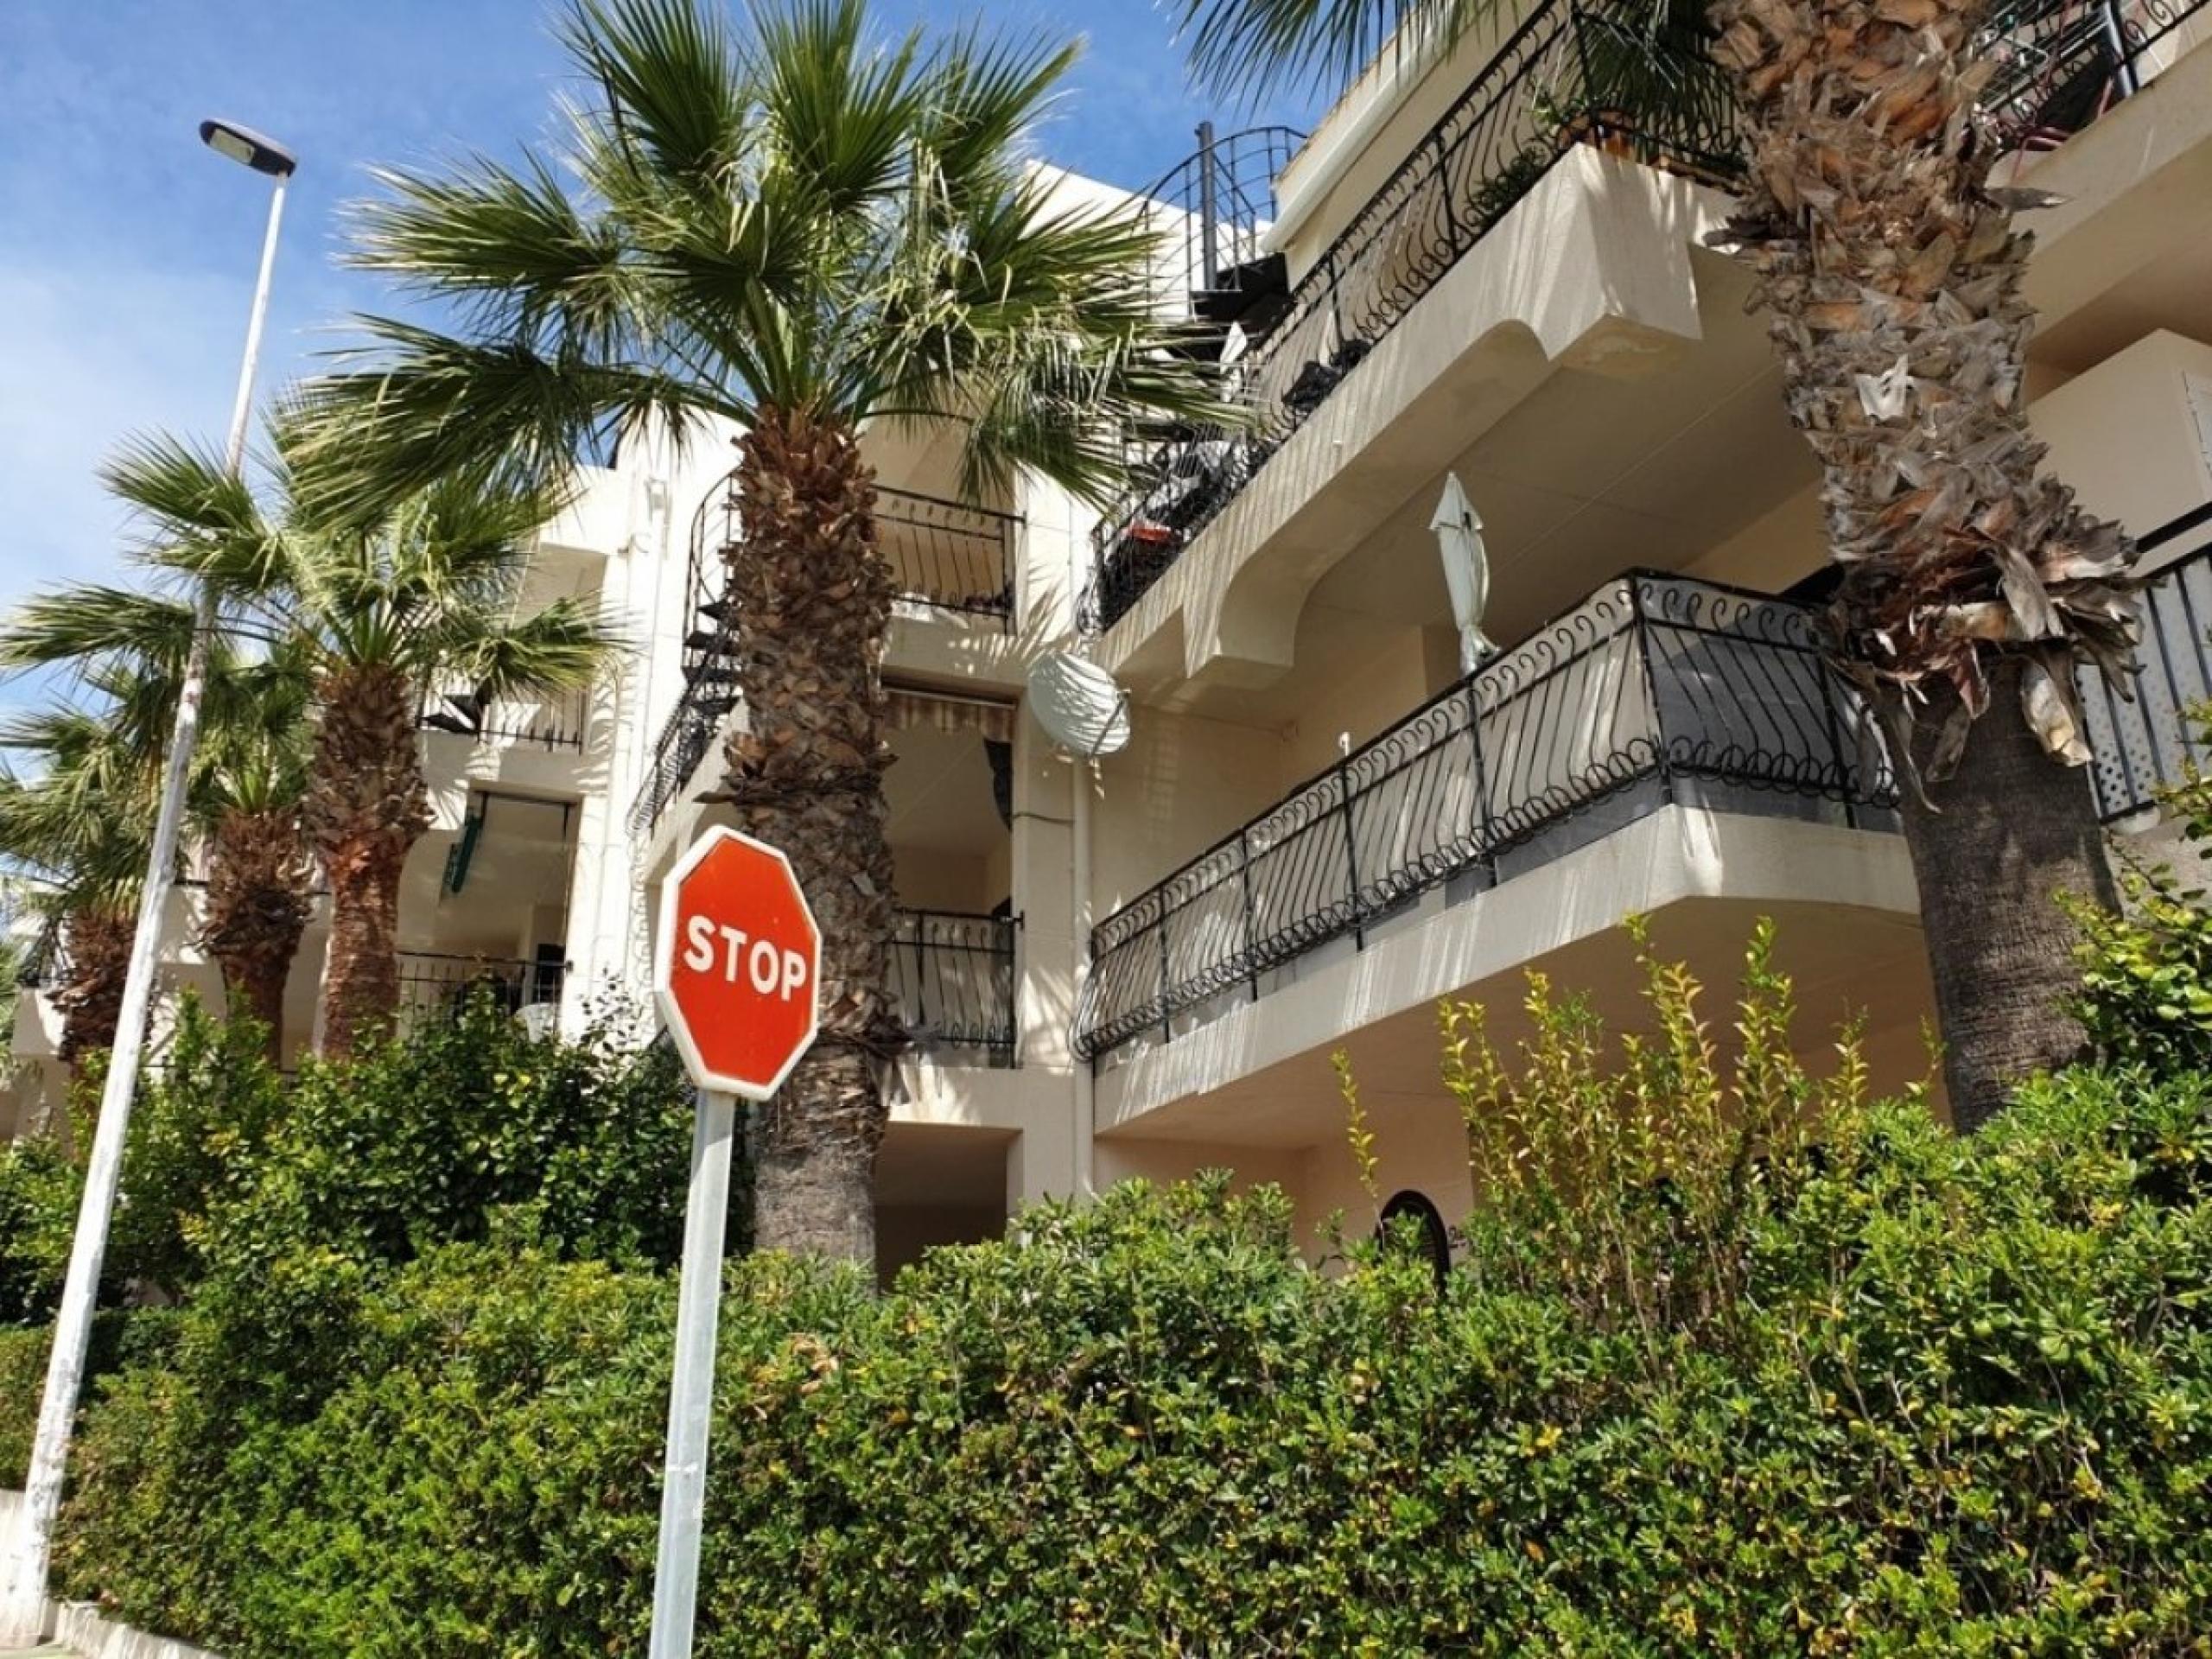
(737, 969)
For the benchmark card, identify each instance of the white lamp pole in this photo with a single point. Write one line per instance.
(23, 1570)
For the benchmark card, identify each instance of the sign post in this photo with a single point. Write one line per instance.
(737, 975)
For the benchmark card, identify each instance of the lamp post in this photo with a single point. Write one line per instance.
(23, 1569)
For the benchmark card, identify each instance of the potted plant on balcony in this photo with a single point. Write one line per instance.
(1639, 84)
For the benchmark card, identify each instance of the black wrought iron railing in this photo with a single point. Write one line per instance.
(944, 556)
(1655, 689)
(2146, 742)
(1223, 196)
(1570, 74)
(2061, 66)
(435, 985)
(556, 721)
(1563, 77)
(953, 973)
(947, 555)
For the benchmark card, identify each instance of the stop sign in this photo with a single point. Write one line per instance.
(737, 968)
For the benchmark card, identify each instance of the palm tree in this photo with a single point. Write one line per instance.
(1890, 273)
(249, 777)
(804, 231)
(371, 614)
(77, 832)
(249, 797)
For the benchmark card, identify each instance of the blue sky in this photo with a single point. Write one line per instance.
(127, 256)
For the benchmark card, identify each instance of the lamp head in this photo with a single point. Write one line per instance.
(248, 147)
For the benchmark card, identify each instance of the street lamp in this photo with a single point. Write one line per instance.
(23, 1583)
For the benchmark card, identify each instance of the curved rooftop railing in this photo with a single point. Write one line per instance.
(1570, 74)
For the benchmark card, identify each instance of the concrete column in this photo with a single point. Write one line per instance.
(641, 593)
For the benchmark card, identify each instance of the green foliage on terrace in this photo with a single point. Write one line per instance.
(1804, 1375)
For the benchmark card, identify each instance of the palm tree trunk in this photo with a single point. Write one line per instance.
(361, 977)
(91, 993)
(368, 805)
(810, 601)
(257, 911)
(1891, 276)
(2006, 835)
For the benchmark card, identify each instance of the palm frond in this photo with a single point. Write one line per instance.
(565, 647)
(985, 95)
(183, 492)
(86, 624)
(437, 405)
(800, 211)
(509, 245)
(667, 72)
(1237, 47)
(841, 110)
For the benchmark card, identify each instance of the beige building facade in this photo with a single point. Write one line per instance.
(1141, 964)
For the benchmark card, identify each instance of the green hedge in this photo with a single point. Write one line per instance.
(1949, 1398)
(38, 1192)
(120, 1338)
(22, 1379)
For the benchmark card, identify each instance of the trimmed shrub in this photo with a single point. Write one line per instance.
(22, 1380)
(480, 1477)
(120, 1338)
(1734, 1362)
(429, 1140)
(206, 1111)
(39, 1192)
(1955, 1400)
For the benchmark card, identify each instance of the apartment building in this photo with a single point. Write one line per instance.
(1140, 965)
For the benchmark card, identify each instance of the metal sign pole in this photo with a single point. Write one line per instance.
(691, 1395)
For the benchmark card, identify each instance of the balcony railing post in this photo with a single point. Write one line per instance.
(1640, 634)
(1009, 976)
(1846, 767)
(1352, 853)
(1443, 193)
(2115, 34)
(921, 969)
(1479, 831)
(1251, 911)
(1166, 980)
(1580, 106)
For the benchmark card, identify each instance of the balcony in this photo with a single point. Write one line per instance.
(1654, 690)
(1554, 84)
(950, 561)
(437, 986)
(1563, 79)
(952, 975)
(2146, 743)
(555, 722)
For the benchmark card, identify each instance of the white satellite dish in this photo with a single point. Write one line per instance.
(1079, 705)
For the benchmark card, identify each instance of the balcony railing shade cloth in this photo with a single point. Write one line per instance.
(909, 709)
